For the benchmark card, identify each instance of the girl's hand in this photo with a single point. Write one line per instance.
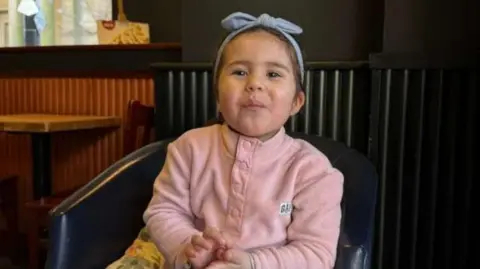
(202, 248)
(232, 259)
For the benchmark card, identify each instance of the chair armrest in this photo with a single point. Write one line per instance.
(352, 257)
(94, 226)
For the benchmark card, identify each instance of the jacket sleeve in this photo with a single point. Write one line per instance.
(169, 217)
(313, 233)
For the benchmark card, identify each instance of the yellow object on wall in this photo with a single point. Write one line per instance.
(122, 31)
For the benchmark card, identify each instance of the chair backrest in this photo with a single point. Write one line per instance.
(139, 116)
(90, 219)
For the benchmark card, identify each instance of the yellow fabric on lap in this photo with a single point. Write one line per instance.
(142, 254)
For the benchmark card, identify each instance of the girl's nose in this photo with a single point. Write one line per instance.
(254, 84)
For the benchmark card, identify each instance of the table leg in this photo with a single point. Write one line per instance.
(41, 159)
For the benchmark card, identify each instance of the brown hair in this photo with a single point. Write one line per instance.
(282, 38)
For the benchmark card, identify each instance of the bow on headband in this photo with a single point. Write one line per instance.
(239, 20)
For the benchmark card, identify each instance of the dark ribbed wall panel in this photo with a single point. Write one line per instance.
(336, 106)
(424, 143)
(183, 98)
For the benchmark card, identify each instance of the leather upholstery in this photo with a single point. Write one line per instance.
(95, 225)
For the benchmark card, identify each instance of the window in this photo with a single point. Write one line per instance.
(55, 22)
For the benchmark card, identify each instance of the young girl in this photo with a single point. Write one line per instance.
(244, 194)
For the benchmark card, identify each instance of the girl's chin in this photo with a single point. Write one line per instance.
(257, 131)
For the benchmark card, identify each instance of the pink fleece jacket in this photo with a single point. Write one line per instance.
(280, 199)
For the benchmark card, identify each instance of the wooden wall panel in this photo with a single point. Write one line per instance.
(76, 156)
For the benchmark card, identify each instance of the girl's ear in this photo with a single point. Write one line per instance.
(298, 103)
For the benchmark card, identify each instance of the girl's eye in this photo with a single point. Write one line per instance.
(273, 75)
(239, 73)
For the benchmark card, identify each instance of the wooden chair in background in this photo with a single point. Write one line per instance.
(139, 117)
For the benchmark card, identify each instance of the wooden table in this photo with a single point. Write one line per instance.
(40, 127)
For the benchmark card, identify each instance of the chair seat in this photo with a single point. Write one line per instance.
(7, 178)
(45, 203)
(8, 190)
(49, 202)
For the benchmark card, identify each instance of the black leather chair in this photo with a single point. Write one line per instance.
(95, 225)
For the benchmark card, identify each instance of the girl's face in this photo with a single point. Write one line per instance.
(257, 91)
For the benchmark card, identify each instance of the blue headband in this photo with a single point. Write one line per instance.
(238, 22)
